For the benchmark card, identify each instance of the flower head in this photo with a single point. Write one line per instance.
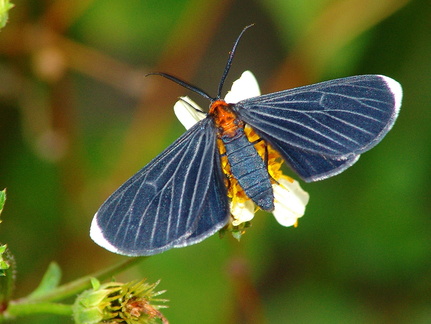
(289, 198)
(115, 303)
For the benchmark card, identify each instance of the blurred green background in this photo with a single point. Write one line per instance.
(77, 118)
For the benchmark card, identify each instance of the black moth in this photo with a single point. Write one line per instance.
(180, 197)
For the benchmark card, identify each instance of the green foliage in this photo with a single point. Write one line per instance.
(49, 282)
(7, 275)
(7, 265)
(4, 265)
(2, 200)
(5, 6)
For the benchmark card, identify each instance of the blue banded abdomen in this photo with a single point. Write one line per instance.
(249, 169)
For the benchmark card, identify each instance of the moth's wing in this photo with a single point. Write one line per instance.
(213, 219)
(313, 167)
(178, 199)
(216, 209)
(322, 129)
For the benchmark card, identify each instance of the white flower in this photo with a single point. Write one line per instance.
(243, 88)
(289, 198)
(186, 114)
(289, 201)
(242, 211)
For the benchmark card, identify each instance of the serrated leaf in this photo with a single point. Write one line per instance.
(50, 281)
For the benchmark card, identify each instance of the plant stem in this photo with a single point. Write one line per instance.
(14, 310)
(74, 287)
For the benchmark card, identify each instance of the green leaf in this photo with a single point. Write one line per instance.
(4, 262)
(5, 6)
(7, 275)
(2, 198)
(50, 281)
(4, 265)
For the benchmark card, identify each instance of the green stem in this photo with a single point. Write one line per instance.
(75, 287)
(14, 310)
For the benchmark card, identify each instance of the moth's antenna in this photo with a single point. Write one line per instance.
(229, 62)
(184, 84)
(225, 73)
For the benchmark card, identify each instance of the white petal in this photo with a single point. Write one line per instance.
(242, 211)
(289, 201)
(243, 88)
(186, 114)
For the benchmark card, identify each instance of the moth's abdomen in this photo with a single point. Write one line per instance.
(249, 169)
